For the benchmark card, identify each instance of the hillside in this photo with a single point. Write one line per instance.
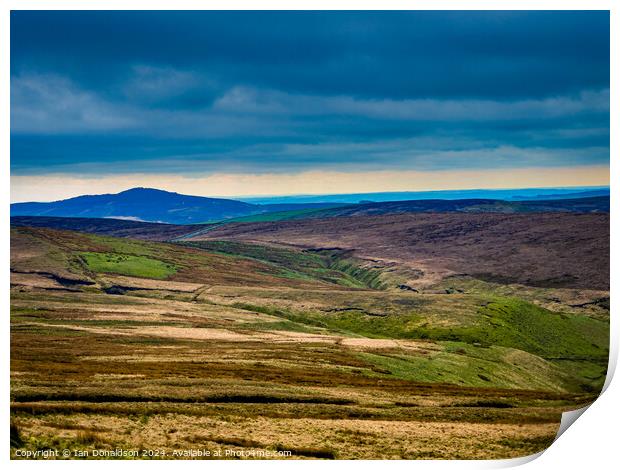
(151, 205)
(325, 292)
(545, 249)
(514, 194)
(539, 249)
(579, 205)
(111, 227)
(244, 345)
(587, 204)
(563, 195)
(139, 204)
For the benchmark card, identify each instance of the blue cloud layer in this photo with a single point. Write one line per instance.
(98, 92)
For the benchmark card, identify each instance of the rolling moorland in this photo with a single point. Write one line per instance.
(154, 205)
(421, 333)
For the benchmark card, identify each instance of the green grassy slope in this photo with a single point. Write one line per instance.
(83, 256)
(482, 338)
(334, 266)
(511, 344)
(129, 265)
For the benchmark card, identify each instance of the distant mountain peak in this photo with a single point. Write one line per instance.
(141, 189)
(147, 204)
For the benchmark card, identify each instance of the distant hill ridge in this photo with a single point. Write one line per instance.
(154, 205)
(151, 205)
(588, 204)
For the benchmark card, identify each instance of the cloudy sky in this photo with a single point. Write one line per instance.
(240, 103)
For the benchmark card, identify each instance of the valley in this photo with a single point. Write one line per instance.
(330, 234)
(353, 337)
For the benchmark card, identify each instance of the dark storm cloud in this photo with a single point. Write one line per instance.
(251, 91)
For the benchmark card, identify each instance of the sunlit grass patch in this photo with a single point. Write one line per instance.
(129, 265)
(476, 366)
(284, 325)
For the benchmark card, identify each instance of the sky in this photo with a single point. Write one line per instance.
(260, 103)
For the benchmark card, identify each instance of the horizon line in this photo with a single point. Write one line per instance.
(414, 191)
(59, 186)
(318, 195)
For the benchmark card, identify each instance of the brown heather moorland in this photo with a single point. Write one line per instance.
(402, 337)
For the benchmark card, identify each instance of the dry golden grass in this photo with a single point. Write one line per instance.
(162, 387)
(217, 359)
(306, 437)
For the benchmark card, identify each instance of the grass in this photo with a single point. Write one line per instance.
(84, 255)
(88, 438)
(231, 441)
(372, 326)
(285, 325)
(334, 266)
(466, 365)
(334, 437)
(594, 303)
(506, 322)
(15, 435)
(589, 374)
(487, 375)
(513, 344)
(128, 265)
(518, 324)
(503, 322)
(314, 452)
